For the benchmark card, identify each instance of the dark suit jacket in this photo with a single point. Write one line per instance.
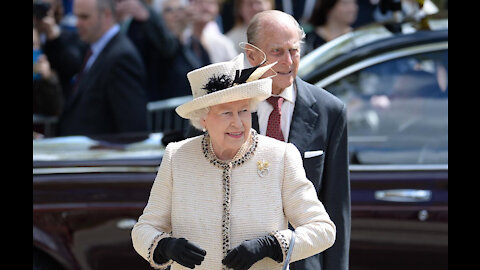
(111, 96)
(319, 123)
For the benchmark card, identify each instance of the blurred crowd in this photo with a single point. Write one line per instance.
(97, 63)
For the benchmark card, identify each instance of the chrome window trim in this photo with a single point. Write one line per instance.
(400, 167)
(382, 58)
(353, 168)
(341, 45)
(78, 170)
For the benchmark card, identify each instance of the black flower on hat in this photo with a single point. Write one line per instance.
(216, 83)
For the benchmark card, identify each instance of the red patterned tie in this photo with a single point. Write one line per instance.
(274, 129)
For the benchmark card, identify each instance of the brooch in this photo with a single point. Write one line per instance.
(262, 168)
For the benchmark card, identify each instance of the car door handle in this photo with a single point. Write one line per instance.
(126, 224)
(404, 195)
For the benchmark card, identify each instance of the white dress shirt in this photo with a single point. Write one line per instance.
(264, 109)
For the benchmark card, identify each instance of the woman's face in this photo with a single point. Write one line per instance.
(344, 11)
(175, 16)
(203, 11)
(228, 125)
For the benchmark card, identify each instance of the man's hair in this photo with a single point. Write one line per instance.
(256, 24)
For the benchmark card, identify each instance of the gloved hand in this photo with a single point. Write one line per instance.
(249, 252)
(180, 250)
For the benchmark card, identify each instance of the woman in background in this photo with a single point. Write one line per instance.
(330, 19)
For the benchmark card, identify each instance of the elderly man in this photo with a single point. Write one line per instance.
(108, 95)
(310, 118)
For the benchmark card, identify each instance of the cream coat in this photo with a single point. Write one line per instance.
(186, 201)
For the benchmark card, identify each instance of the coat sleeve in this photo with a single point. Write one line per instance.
(155, 222)
(126, 92)
(314, 229)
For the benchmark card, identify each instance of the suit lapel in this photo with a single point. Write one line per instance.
(302, 124)
(87, 79)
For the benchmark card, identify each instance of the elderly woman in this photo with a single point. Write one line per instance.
(223, 200)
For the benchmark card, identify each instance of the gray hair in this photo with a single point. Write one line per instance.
(256, 24)
(197, 116)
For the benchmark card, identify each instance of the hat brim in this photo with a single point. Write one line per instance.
(258, 90)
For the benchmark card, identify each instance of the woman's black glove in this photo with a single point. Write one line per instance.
(180, 250)
(249, 252)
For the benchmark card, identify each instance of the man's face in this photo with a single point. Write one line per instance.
(89, 20)
(281, 43)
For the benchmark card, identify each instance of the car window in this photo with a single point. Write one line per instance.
(398, 110)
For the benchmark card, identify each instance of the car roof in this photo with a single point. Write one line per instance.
(369, 40)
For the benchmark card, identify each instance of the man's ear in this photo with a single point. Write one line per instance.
(251, 55)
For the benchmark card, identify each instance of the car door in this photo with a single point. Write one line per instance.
(89, 209)
(87, 195)
(398, 145)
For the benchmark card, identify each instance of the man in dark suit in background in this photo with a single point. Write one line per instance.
(312, 119)
(108, 96)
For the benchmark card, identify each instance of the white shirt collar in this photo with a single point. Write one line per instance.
(98, 45)
(288, 94)
(264, 109)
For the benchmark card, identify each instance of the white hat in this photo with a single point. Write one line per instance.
(220, 83)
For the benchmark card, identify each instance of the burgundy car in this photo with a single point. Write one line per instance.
(88, 196)
(89, 192)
